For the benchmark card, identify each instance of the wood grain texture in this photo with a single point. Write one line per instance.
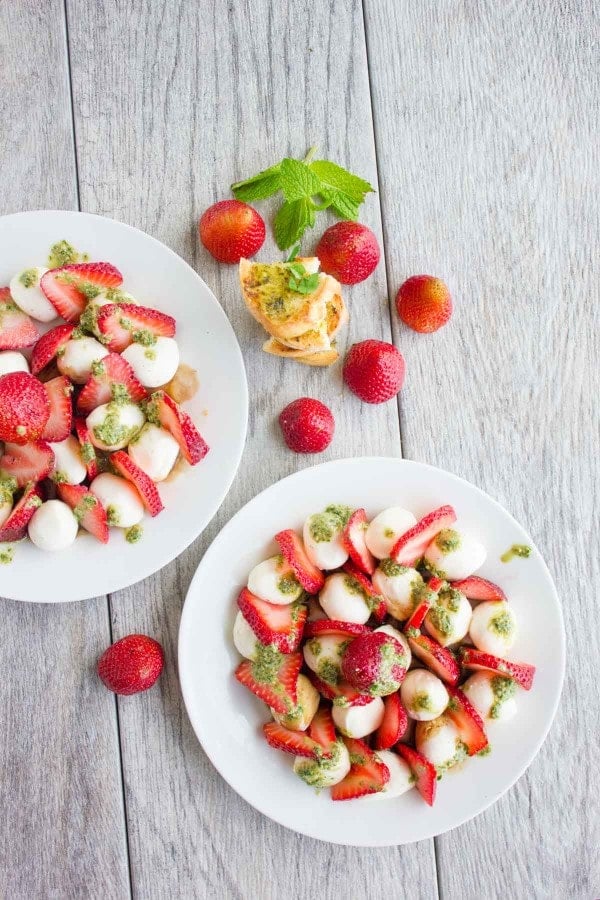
(486, 140)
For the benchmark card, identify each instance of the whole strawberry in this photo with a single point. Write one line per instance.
(24, 408)
(349, 251)
(307, 425)
(131, 665)
(424, 303)
(375, 664)
(230, 230)
(374, 370)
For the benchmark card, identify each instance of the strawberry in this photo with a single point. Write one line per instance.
(121, 323)
(307, 425)
(424, 303)
(394, 724)
(476, 588)
(374, 371)
(280, 691)
(292, 548)
(69, 288)
(162, 410)
(353, 539)
(49, 346)
(411, 546)
(349, 251)
(341, 694)
(16, 328)
(467, 720)
(58, 427)
(281, 625)
(417, 617)
(296, 742)
(88, 451)
(15, 527)
(436, 584)
(27, 462)
(375, 664)
(423, 771)
(367, 775)
(330, 626)
(522, 673)
(24, 408)
(112, 378)
(231, 230)
(437, 658)
(146, 488)
(131, 665)
(322, 728)
(375, 600)
(87, 509)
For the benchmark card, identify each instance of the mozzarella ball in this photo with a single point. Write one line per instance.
(6, 506)
(493, 627)
(155, 364)
(358, 721)
(113, 425)
(423, 695)
(401, 778)
(274, 581)
(454, 554)
(439, 742)
(323, 655)
(154, 450)
(119, 498)
(400, 587)
(449, 619)
(244, 639)
(26, 292)
(327, 771)
(300, 717)
(343, 601)
(11, 361)
(76, 358)
(393, 632)
(492, 695)
(322, 535)
(68, 466)
(386, 528)
(53, 526)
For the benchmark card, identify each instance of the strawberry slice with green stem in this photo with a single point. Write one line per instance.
(394, 723)
(523, 673)
(146, 488)
(58, 427)
(437, 658)
(163, 411)
(367, 775)
(292, 548)
(69, 288)
(411, 546)
(353, 539)
(27, 462)
(120, 324)
(49, 346)
(476, 588)
(112, 378)
(423, 772)
(88, 451)
(16, 328)
(278, 624)
(467, 720)
(15, 527)
(296, 742)
(87, 509)
(273, 679)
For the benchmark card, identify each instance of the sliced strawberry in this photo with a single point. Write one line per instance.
(374, 599)
(330, 626)
(296, 742)
(476, 659)
(436, 584)
(367, 775)
(15, 527)
(58, 427)
(423, 772)
(322, 728)
(353, 539)
(417, 617)
(49, 346)
(162, 410)
(87, 509)
(69, 288)
(342, 693)
(411, 546)
(280, 691)
(281, 625)
(88, 451)
(394, 724)
(16, 328)
(467, 720)
(27, 462)
(437, 658)
(475, 588)
(311, 578)
(121, 323)
(146, 488)
(112, 378)
(24, 408)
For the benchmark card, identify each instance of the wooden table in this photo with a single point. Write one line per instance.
(477, 122)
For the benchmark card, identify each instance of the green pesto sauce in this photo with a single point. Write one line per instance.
(433, 570)
(392, 569)
(112, 515)
(422, 703)
(119, 394)
(502, 624)
(440, 619)
(388, 533)
(150, 354)
(59, 477)
(85, 504)
(7, 555)
(88, 320)
(503, 688)
(87, 452)
(328, 671)
(151, 410)
(144, 337)
(323, 526)
(486, 750)
(8, 486)
(314, 771)
(267, 663)
(134, 534)
(111, 432)
(389, 659)
(98, 368)
(288, 584)
(29, 277)
(448, 540)
(520, 550)
(64, 254)
(314, 645)
(459, 756)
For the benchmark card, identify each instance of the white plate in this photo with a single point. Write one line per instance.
(227, 717)
(158, 277)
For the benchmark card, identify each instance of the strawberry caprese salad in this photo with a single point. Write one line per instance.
(89, 423)
(381, 654)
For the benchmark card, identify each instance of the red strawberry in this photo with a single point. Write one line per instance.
(15, 527)
(162, 410)
(88, 451)
(87, 509)
(437, 658)
(476, 588)
(278, 624)
(342, 693)
(24, 407)
(296, 742)
(322, 728)
(69, 288)
(131, 665)
(292, 548)
(49, 346)
(417, 617)
(424, 303)
(476, 659)
(307, 425)
(349, 251)
(16, 328)
(281, 691)
(374, 371)
(112, 377)
(375, 599)
(330, 626)
(231, 230)
(58, 427)
(146, 488)
(411, 546)
(119, 324)
(436, 584)
(355, 544)
(467, 720)
(394, 724)
(367, 775)
(27, 462)
(422, 770)
(374, 663)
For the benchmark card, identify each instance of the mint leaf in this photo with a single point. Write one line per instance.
(342, 204)
(305, 285)
(292, 220)
(297, 180)
(293, 253)
(259, 187)
(336, 178)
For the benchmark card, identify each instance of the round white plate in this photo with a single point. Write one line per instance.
(227, 718)
(157, 277)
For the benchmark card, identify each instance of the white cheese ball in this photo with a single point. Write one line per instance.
(113, 425)
(244, 639)
(68, 467)
(492, 695)
(155, 451)
(449, 618)
(322, 536)
(5, 510)
(400, 587)
(326, 772)
(342, 601)
(401, 778)
(153, 365)
(53, 526)
(11, 361)
(119, 498)
(300, 717)
(423, 695)
(274, 581)
(358, 721)
(386, 528)
(26, 292)
(323, 655)
(493, 627)
(77, 356)
(439, 741)
(454, 554)
(393, 632)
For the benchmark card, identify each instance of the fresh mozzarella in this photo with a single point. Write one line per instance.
(393, 632)
(327, 771)
(439, 742)
(386, 528)
(155, 364)
(26, 292)
(77, 356)
(401, 778)
(11, 361)
(492, 695)
(113, 425)
(119, 498)
(300, 717)
(154, 450)
(274, 581)
(53, 526)
(400, 587)
(244, 638)
(449, 619)
(68, 466)
(322, 535)
(5, 509)
(454, 554)
(358, 721)
(342, 601)
(493, 627)
(323, 655)
(423, 695)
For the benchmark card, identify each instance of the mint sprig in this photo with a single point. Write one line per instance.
(300, 280)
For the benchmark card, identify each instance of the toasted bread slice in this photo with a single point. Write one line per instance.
(282, 312)
(309, 358)
(337, 313)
